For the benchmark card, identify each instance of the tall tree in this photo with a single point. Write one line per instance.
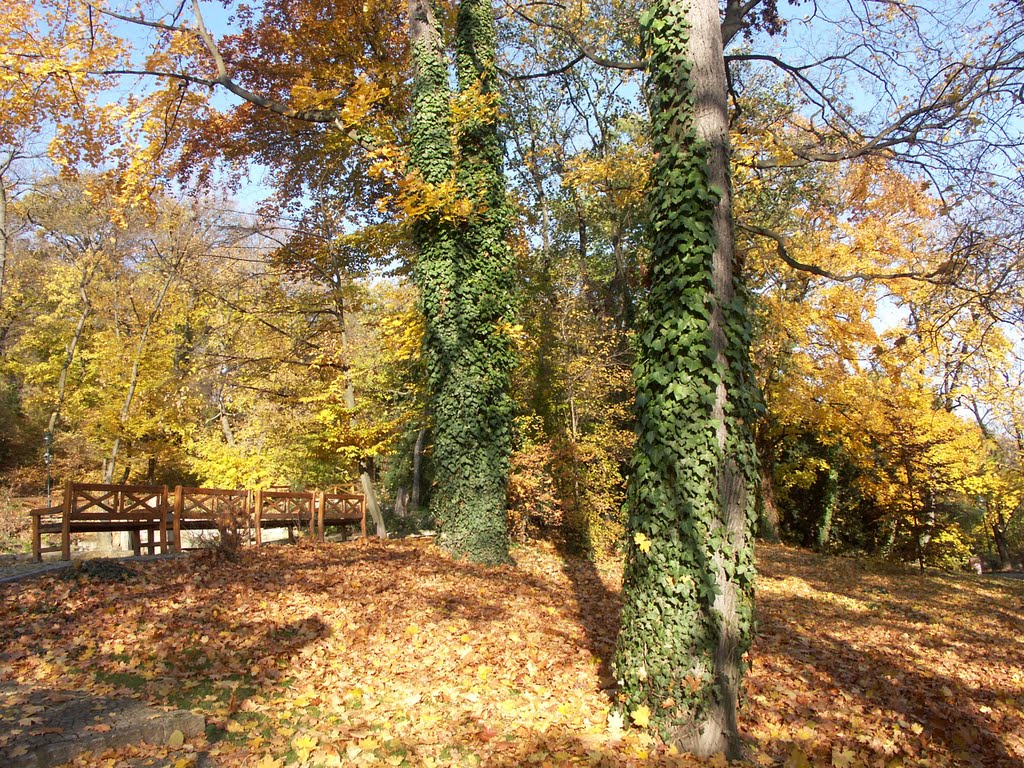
(688, 587)
(464, 272)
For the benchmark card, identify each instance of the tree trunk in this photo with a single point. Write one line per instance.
(688, 588)
(416, 494)
(767, 508)
(999, 534)
(4, 240)
(464, 272)
(133, 378)
(69, 357)
(365, 479)
(829, 499)
(401, 502)
(225, 423)
(365, 476)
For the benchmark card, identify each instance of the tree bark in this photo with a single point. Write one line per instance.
(4, 240)
(688, 587)
(416, 494)
(768, 508)
(999, 534)
(829, 500)
(365, 478)
(69, 356)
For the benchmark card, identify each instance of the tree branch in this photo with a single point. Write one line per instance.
(547, 73)
(936, 276)
(223, 79)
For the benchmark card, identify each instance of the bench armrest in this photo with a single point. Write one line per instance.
(41, 512)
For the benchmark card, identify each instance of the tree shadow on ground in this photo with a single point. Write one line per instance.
(887, 702)
(196, 631)
(597, 608)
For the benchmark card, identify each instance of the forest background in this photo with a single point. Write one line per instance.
(153, 328)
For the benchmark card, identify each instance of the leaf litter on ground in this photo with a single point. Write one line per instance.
(390, 653)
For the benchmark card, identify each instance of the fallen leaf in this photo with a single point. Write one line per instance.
(641, 716)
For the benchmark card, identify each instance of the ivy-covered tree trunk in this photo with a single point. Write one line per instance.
(464, 272)
(829, 501)
(688, 589)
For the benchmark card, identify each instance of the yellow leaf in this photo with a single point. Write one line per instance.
(642, 543)
(641, 716)
(303, 746)
(797, 759)
(843, 759)
(804, 733)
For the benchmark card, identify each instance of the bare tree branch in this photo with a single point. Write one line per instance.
(936, 276)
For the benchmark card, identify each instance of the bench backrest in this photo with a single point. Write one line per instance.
(217, 505)
(116, 503)
(343, 506)
(285, 506)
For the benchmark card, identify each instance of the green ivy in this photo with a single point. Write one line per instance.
(465, 276)
(677, 530)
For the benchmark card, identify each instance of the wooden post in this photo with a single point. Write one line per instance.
(135, 537)
(37, 540)
(362, 503)
(65, 532)
(258, 512)
(165, 512)
(320, 512)
(179, 509)
(247, 506)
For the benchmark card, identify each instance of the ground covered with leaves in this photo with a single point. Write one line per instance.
(392, 654)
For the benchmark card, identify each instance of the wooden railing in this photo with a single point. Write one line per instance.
(95, 508)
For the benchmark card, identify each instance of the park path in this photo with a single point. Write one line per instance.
(45, 727)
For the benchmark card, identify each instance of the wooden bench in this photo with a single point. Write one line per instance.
(100, 508)
(340, 509)
(283, 509)
(211, 509)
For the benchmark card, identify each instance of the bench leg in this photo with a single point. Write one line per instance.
(135, 537)
(37, 540)
(65, 525)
